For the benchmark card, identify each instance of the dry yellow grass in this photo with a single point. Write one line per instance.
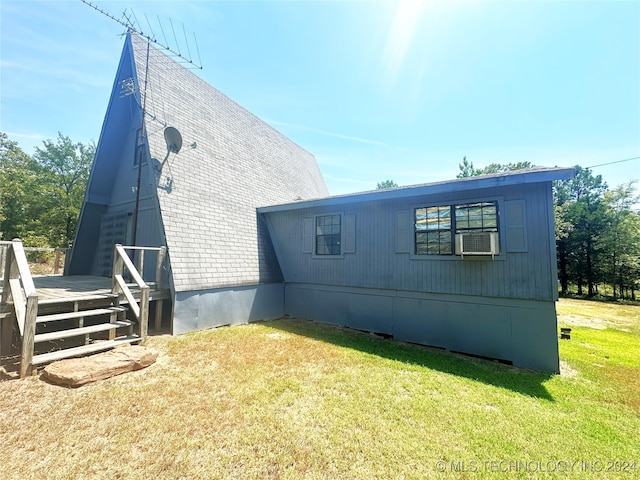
(293, 399)
(203, 411)
(599, 314)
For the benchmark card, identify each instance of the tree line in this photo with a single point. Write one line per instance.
(597, 228)
(41, 194)
(597, 231)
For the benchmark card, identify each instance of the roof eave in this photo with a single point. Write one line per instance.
(457, 185)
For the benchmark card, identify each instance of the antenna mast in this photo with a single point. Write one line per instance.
(130, 22)
(130, 26)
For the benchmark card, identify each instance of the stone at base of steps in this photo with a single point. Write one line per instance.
(75, 372)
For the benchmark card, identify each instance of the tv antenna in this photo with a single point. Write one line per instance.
(130, 22)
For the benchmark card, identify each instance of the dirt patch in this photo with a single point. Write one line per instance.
(599, 315)
(595, 323)
(567, 370)
(577, 321)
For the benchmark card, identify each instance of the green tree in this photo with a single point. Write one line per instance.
(580, 219)
(19, 179)
(386, 184)
(620, 240)
(41, 196)
(467, 168)
(65, 166)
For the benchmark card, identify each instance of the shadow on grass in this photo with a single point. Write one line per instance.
(526, 382)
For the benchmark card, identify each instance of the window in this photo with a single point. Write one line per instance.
(434, 226)
(328, 235)
(433, 231)
(477, 217)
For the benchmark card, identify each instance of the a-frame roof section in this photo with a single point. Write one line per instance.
(208, 194)
(118, 121)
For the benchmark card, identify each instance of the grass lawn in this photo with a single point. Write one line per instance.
(295, 399)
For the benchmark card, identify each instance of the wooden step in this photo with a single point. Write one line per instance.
(79, 298)
(80, 314)
(83, 350)
(73, 332)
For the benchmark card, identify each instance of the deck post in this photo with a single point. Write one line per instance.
(6, 334)
(10, 271)
(6, 322)
(26, 355)
(140, 262)
(158, 318)
(118, 267)
(20, 284)
(3, 257)
(56, 262)
(144, 312)
(159, 262)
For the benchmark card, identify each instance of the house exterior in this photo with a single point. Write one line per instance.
(393, 262)
(201, 203)
(251, 233)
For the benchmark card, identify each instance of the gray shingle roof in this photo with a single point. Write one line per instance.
(515, 177)
(213, 233)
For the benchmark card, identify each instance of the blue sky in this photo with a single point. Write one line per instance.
(375, 90)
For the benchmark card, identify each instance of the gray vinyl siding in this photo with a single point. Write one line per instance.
(212, 308)
(380, 260)
(500, 307)
(523, 332)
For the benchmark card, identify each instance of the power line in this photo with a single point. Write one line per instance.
(617, 161)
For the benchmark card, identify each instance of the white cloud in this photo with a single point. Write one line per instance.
(27, 136)
(325, 133)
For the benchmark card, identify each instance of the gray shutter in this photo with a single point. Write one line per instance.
(349, 234)
(402, 231)
(307, 235)
(516, 226)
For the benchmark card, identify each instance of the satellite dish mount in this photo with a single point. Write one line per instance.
(174, 143)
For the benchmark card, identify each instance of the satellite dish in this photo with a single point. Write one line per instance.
(174, 143)
(173, 138)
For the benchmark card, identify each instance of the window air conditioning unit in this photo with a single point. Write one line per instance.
(478, 243)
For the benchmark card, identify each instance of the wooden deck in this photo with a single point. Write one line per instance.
(53, 288)
(81, 309)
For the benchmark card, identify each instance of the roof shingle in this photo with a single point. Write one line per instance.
(214, 236)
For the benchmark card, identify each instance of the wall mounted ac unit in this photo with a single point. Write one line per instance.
(478, 243)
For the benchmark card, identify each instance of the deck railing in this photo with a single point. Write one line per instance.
(19, 292)
(139, 252)
(20, 299)
(4, 246)
(121, 261)
(59, 252)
